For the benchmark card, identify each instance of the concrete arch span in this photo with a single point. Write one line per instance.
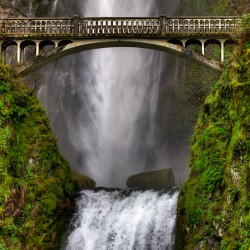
(89, 44)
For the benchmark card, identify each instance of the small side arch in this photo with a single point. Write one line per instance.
(194, 45)
(193, 41)
(64, 42)
(212, 42)
(9, 52)
(46, 45)
(176, 42)
(213, 48)
(28, 48)
(6, 44)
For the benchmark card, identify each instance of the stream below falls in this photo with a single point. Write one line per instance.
(123, 220)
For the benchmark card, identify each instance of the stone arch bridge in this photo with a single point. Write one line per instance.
(66, 36)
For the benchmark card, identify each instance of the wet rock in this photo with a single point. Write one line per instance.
(161, 179)
(83, 181)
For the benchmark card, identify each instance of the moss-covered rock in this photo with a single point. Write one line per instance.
(214, 204)
(159, 179)
(36, 184)
(83, 181)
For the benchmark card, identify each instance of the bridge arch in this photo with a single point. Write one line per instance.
(89, 44)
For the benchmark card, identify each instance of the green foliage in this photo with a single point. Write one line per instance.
(2, 245)
(213, 207)
(211, 179)
(34, 178)
(69, 188)
(245, 24)
(49, 203)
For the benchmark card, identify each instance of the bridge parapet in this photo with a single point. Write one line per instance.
(123, 27)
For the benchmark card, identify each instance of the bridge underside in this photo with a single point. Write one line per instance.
(89, 44)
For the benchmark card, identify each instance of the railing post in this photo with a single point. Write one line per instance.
(163, 24)
(76, 25)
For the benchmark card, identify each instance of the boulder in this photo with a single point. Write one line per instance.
(159, 179)
(83, 181)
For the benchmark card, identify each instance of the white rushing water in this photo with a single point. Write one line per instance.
(119, 221)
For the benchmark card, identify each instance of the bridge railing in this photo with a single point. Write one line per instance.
(119, 26)
(201, 25)
(27, 27)
(86, 27)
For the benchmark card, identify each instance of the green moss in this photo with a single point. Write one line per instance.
(83, 181)
(213, 207)
(34, 178)
(158, 179)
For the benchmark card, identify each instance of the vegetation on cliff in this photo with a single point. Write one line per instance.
(214, 204)
(35, 181)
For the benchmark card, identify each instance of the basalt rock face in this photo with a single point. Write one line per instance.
(161, 179)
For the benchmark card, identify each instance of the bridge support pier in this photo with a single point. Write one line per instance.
(18, 51)
(222, 50)
(37, 48)
(203, 46)
(183, 41)
(56, 43)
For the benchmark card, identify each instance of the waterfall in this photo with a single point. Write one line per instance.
(104, 105)
(121, 221)
(111, 112)
(54, 6)
(30, 14)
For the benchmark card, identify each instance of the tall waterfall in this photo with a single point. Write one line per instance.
(110, 107)
(121, 221)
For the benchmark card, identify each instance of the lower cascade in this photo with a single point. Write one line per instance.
(123, 220)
